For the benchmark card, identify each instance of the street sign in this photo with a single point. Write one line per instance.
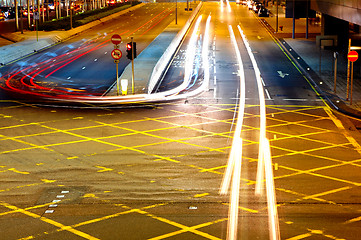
(116, 39)
(36, 16)
(352, 56)
(116, 54)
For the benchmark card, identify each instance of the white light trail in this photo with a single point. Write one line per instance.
(234, 197)
(242, 102)
(188, 65)
(233, 171)
(264, 156)
(273, 223)
(205, 54)
(260, 172)
(228, 6)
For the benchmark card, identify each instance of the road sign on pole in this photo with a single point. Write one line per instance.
(116, 39)
(116, 54)
(352, 56)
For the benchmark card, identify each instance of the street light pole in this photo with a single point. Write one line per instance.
(71, 15)
(276, 15)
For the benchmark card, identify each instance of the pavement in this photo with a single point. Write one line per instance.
(304, 53)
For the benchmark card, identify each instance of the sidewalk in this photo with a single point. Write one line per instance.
(306, 54)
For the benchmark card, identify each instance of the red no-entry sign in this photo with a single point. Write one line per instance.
(116, 39)
(352, 56)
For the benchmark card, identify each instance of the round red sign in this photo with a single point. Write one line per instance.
(352, 56)
(116, 54)
(116, 39)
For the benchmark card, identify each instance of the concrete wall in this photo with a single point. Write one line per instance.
(348, 10)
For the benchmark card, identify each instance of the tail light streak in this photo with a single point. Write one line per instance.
(48, 64)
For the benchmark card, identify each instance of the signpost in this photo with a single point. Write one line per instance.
(116, 40)
(116, 54)
(352, 56)
(36, 18)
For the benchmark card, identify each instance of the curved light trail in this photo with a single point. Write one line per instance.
(264, 156)
(232, 174)
(30, 80)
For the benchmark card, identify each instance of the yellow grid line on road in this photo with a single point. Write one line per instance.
(160, 137)
(184, 228)
(228, 122)
(129, 210)
(48, 220)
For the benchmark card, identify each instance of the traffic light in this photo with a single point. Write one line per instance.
(130, 50)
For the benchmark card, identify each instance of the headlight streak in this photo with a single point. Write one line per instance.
(233, 171)
(190, 54)
(228, 6)
(188, 65)
(264, 156)
(273, 223)
(260, 171)
(205, 53)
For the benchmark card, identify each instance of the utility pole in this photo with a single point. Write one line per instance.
(16, 15)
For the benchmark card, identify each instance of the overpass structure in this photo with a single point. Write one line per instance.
(339, 17)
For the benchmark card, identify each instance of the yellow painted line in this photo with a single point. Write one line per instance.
(244, 208)
(17, 171)
(182, 227)
(294, 64)
(197, 115)
(201, 195)
(327, 192)
(26, 209)
(49, 221)
(302, 236)
(338, 123)
(104, 169)
(323, 176)
(357, 219)
(212, 169)
(159, 137)
(28, 185)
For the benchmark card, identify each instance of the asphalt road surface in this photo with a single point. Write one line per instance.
(83, 65)
(154, 171)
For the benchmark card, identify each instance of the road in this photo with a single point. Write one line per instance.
(155, 171)
(83, 65)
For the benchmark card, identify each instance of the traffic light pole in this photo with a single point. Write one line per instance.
(116, 68)
(132, 65)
